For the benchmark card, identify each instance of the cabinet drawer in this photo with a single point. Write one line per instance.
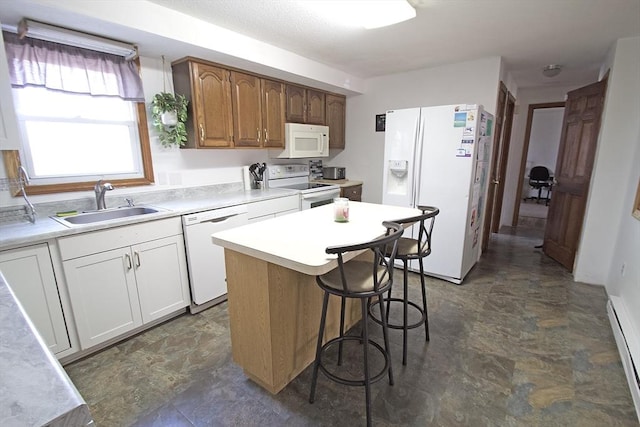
(353, 192)
(104, 240)
(273, 206)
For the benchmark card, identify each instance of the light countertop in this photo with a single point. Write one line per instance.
(22, 233)
(339, 182)
(298, 240)
(35, 390)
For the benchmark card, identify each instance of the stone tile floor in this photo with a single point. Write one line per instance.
(519, 344)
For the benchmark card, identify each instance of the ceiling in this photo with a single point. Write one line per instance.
(527, 34)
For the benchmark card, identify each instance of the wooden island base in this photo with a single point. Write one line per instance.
(274, 313)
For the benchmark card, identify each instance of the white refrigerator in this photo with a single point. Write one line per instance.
(440, 156)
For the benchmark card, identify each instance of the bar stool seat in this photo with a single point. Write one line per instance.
(416, 247)
(362, 280)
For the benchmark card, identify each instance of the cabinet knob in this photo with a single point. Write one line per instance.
(266, 136)
(258, 133)
(127, 258)
(201, 132)
(136, 256)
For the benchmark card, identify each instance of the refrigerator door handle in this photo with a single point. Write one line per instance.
(417, 161)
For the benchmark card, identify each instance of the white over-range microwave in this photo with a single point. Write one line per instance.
(303, 141)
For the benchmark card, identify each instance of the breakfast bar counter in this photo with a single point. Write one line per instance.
(274, 302)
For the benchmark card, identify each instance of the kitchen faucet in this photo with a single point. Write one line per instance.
(100, 189)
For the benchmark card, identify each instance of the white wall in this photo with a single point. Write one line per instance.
(172, 167)
(611, 236)
(544, 142)
(545, 137)
(466, 82)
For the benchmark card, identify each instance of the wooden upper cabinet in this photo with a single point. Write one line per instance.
(305, 105)
(247, 111)
(335, 119)
(208, 90)
(232, 108)
(273, 113)
(296, 104)
(316, 107)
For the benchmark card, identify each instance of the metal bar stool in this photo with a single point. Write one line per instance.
(416, 247)
(363, 280)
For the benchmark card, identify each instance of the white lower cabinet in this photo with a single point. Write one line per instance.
(117, 290)
(102, 289)
(161, 270)
(29, 273)
(259, 211)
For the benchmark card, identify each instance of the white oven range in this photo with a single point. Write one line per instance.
(296, 177)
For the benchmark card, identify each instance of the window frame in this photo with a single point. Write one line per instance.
(12, 161)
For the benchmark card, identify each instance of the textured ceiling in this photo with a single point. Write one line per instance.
(528, 34)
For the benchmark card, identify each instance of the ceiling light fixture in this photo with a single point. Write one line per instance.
(52, 33)
(363, 13)
(551, 70)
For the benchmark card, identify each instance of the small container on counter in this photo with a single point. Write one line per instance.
(341, 209)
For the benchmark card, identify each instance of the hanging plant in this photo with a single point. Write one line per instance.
(169, 114)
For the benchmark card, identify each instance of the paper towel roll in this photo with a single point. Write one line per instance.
(245, 178)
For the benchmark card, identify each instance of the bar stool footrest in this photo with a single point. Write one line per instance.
(423, 315)
(349, 382)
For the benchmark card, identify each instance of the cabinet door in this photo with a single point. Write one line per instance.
(296, 104)
(102, 289)
(212, 106)
(161, 275)
(316, 108)
(336, 120)
(273, 113)
(353, 192)
(29, 273)
(247, 113)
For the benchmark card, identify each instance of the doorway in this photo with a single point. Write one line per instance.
(541, 143)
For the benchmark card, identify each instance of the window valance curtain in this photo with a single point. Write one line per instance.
(57, 66)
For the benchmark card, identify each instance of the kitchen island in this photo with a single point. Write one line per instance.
(274, 301)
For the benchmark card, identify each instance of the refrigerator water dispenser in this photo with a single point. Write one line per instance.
(398, 177)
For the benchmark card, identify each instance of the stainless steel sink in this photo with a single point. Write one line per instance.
(106, 215)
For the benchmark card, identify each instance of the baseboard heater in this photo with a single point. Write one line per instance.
(628, 345)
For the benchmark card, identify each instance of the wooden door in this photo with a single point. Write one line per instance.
(315, 107)
(578, 140)
(296, 104)
(247, 114)
(273, 113)
(335, 117)
(212, 106)
(493, 183)
(505, 142)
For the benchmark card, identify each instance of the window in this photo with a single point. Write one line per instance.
(78, 117)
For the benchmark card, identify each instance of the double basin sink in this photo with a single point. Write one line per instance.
(94, 217)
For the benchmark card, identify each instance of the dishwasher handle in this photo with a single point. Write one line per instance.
(214, 215)
(221, 219)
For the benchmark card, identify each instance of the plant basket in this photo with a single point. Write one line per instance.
(169, 114)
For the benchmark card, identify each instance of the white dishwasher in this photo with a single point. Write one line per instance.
(205, 260)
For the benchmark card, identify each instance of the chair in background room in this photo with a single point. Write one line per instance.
(410, 248)
(539, 178)
(361, 279)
